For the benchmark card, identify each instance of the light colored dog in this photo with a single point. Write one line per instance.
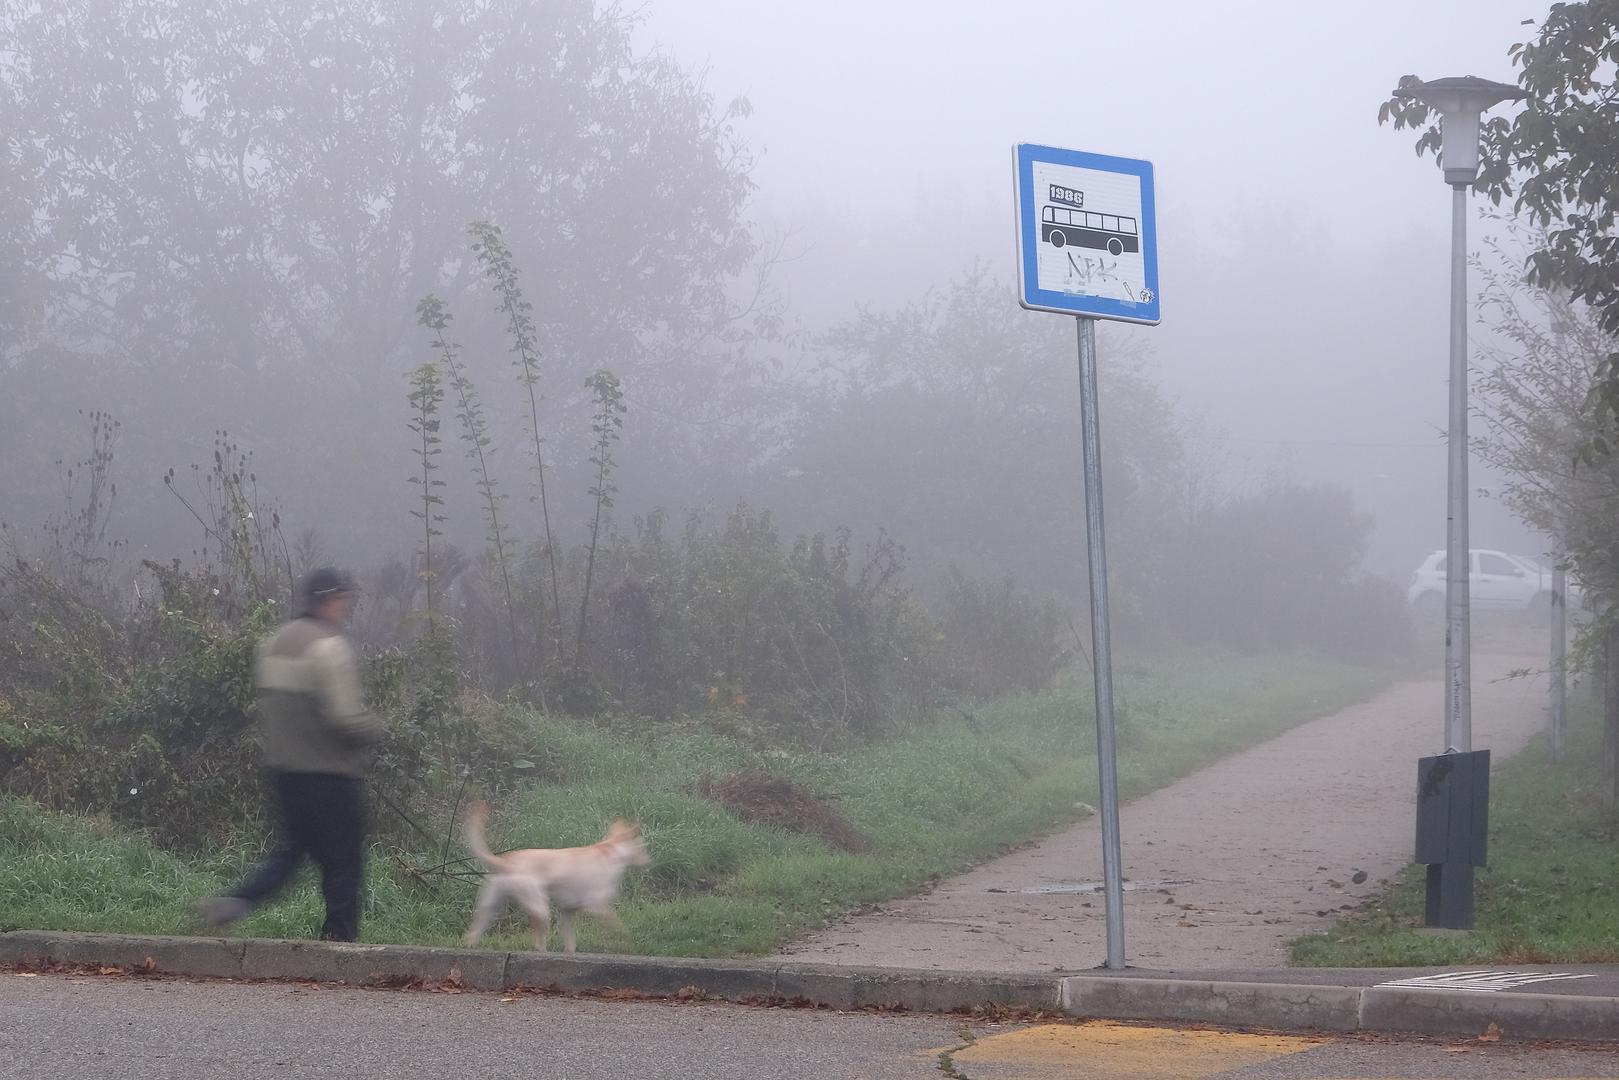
(537, 879)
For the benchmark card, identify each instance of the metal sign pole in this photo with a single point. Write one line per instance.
(1559, 658)
(1102, 645)
(1088, 246)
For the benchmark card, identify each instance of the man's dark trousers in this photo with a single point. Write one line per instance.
(322, 816)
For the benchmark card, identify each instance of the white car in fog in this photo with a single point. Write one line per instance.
(1495, 580)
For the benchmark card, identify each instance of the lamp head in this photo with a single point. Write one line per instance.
(1461, 102)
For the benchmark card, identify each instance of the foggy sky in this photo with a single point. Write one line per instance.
(1304, 249)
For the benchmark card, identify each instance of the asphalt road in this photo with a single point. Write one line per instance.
(72, 1027)
(77, 1026)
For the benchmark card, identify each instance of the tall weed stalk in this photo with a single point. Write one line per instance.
(496, 259)
(433, 315)
(606, 426)
(426, 396)
(241, 528)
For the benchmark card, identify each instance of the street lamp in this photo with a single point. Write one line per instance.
(1460, 103)
(1452, 810)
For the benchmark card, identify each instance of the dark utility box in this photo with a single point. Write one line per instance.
(1453, 802)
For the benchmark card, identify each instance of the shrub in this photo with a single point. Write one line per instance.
(997, 640)
(156, 739)
(807, 643)
(145, 715)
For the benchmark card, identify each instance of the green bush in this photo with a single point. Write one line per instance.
(726, 639)
(805, 643)
(145, 721)
(995, 639)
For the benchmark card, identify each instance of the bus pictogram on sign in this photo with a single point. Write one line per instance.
(1113, 233)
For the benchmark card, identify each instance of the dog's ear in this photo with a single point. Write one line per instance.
(626, 828)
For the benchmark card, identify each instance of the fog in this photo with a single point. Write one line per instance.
(1303, 251)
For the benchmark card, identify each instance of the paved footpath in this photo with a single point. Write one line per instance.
(1224, 867)
(55, 1027)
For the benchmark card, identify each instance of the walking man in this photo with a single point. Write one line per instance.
(315, 732)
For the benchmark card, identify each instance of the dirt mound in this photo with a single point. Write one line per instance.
(776, 800)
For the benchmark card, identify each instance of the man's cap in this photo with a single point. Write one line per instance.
(325, 582)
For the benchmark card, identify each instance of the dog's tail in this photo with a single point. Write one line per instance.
(477, 818)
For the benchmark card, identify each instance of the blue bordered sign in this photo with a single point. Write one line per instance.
(1087, 234)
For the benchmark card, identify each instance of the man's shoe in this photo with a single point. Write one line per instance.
(219, 912)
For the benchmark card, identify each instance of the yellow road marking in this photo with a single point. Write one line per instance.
(1118, 1052)
(1103, 1051)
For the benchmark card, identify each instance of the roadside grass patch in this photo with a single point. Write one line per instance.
(67, 873)
(978, 780)
(1548, 895)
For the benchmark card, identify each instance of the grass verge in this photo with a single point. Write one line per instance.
(1548, 894)
(954, 792)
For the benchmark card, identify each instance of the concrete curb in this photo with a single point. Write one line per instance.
(212, 958)
(1139, 997)
(1519, 1016)
(1279, 1006)
(1304, 1007)
(829, 986)
(373, 965)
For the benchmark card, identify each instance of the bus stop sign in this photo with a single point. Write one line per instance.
(1087, 235)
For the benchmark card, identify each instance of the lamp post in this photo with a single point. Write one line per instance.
(1452, 790)
(1461, 103)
